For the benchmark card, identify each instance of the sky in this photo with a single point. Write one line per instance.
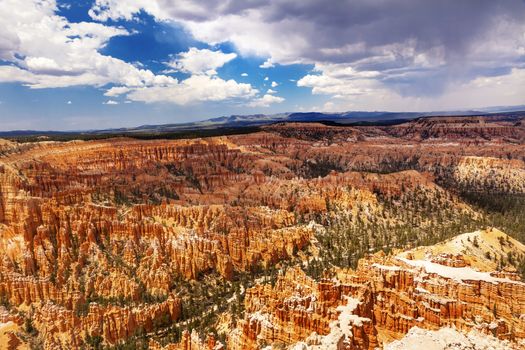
(93, 64)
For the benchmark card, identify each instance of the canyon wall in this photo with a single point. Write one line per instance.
(103, 241)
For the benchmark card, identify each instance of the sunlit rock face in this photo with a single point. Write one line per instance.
(386, 297)
(104, 241)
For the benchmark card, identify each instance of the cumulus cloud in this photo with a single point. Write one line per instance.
(10, 74)
(69, 102)
(274, 84)
(45, 50)
(202, 85)
(265, 101)
(110, 102)
(404, 50)
(117, 91)
(195, 88)
(244, 74)
(480, 92)
(408, 48)
(267, 64)
(270, 91)
(200, 61)
(339, 80)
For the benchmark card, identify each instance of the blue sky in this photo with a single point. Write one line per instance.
(70, 65)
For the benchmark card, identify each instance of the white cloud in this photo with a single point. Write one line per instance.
(244, 74)
(196, 88)
(477, 93)
(326, 84)
(266, 78)
(210, 22)
(274, 84)
(43, 65)
(376, 47)
(267, 64)
(48, 51)
(203, 85)
(270, 91)
(110, 102)
(122, 9)
(69, 102)
(117, 91)
(379, 59)
(201, 61)
(341, 81)
(265, 101)
(10, 74)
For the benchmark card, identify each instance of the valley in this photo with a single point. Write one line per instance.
(289, 236)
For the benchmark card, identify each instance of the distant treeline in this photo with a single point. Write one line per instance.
(174, 135)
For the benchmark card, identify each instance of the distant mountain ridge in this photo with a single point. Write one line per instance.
(255, 120)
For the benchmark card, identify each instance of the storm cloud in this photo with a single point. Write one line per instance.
(410, 47)
(244, 55)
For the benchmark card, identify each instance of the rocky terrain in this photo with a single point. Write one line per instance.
(384, 298)
(302, 235)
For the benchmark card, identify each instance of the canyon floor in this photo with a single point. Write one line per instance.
(297, 236)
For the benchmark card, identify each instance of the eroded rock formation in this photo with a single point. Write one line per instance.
(382, 300)
(100, 238)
